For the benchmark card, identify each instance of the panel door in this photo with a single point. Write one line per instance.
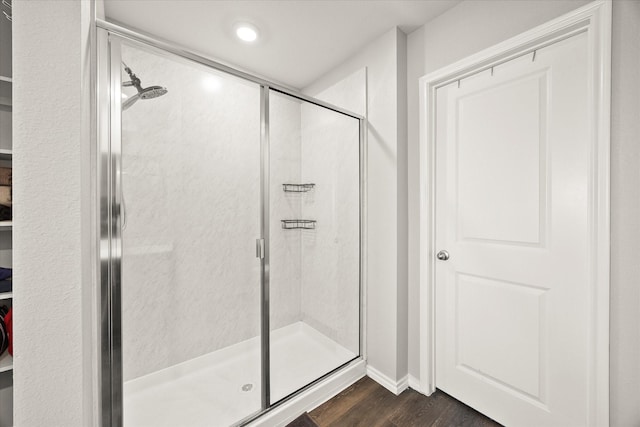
(512, 210)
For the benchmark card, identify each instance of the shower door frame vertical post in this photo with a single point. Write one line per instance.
(265, 355)
(109, 167)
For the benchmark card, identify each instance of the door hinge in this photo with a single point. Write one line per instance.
(260, 248)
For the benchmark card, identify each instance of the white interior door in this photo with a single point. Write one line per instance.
(513, 177)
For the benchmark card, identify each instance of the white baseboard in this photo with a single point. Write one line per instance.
(312, 398)
(395, 387)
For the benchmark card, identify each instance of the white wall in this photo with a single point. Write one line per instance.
(625, 215)
(386, 213)
(474, 25)
(52, 292)
(415, 70)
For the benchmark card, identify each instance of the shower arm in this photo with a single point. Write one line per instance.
(135, 81)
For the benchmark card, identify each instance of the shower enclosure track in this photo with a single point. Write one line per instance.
(161, 44)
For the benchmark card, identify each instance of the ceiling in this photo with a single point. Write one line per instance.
(300, 40)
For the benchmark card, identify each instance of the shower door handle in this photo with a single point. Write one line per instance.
(123, 210)
(260, 248)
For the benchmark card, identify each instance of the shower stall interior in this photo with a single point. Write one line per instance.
(230, 237)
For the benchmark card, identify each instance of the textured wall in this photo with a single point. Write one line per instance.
(51, 179)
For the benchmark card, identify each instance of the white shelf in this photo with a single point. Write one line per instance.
(6, 295)
(6, 225)
(6, 362)
(5, 154)
(5, 92)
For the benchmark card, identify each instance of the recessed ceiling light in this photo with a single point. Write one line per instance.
(247, 32)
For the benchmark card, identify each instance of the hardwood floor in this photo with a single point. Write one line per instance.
(368, 404)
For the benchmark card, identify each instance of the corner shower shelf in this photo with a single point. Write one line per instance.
(297, 188)
(5, 92)
(293, 224)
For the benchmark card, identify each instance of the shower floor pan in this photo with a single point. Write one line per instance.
(223, 387)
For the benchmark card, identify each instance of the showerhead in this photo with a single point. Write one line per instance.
(143, 93)
(152, 92)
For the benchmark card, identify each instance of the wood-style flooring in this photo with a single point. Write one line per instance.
(368, 404)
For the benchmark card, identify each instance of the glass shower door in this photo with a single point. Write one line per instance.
(190, 183)
(314, 240)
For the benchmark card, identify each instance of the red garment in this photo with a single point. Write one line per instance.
(8, 321)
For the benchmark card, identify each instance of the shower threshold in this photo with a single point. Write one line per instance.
(220, 388)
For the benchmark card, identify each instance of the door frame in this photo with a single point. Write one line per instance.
(594, 19)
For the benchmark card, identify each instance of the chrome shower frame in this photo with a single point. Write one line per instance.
(109, 213)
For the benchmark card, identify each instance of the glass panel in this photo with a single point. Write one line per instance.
(315, 253)
(190, 277)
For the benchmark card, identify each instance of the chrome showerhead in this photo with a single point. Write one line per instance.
(143, 93)
(152, 92)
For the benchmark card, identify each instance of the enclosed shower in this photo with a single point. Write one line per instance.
(231, 229)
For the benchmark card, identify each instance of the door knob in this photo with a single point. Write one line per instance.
(443, 255)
